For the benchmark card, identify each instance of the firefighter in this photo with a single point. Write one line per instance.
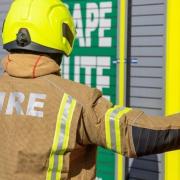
(50, 127)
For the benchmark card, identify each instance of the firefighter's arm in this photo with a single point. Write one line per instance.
(129, 132)
(143, 134)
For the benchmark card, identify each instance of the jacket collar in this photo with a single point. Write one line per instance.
(29, 65)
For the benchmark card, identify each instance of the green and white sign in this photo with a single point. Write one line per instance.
(92, 61)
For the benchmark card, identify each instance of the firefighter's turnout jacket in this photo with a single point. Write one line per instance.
(50, 127)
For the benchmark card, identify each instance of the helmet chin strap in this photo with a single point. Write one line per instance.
(56, 57)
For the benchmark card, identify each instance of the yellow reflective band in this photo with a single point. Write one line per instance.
(117, 128)
(55, 142)
(112, 127)
(66, 140)
(61, 138)
(107, 128)
(118, 135)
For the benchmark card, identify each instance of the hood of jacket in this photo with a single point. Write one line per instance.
(29, 65)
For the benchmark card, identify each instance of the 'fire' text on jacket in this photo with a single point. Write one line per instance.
(15, 101)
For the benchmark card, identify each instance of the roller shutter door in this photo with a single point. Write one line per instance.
(146, 84)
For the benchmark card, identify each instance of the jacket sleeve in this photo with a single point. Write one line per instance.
(143, 134)
(127, 131)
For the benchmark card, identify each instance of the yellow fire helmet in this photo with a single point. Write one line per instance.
(44, 26)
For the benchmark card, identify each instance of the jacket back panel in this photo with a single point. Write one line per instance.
(28, 117)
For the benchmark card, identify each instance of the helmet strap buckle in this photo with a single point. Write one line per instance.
(23, 37)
